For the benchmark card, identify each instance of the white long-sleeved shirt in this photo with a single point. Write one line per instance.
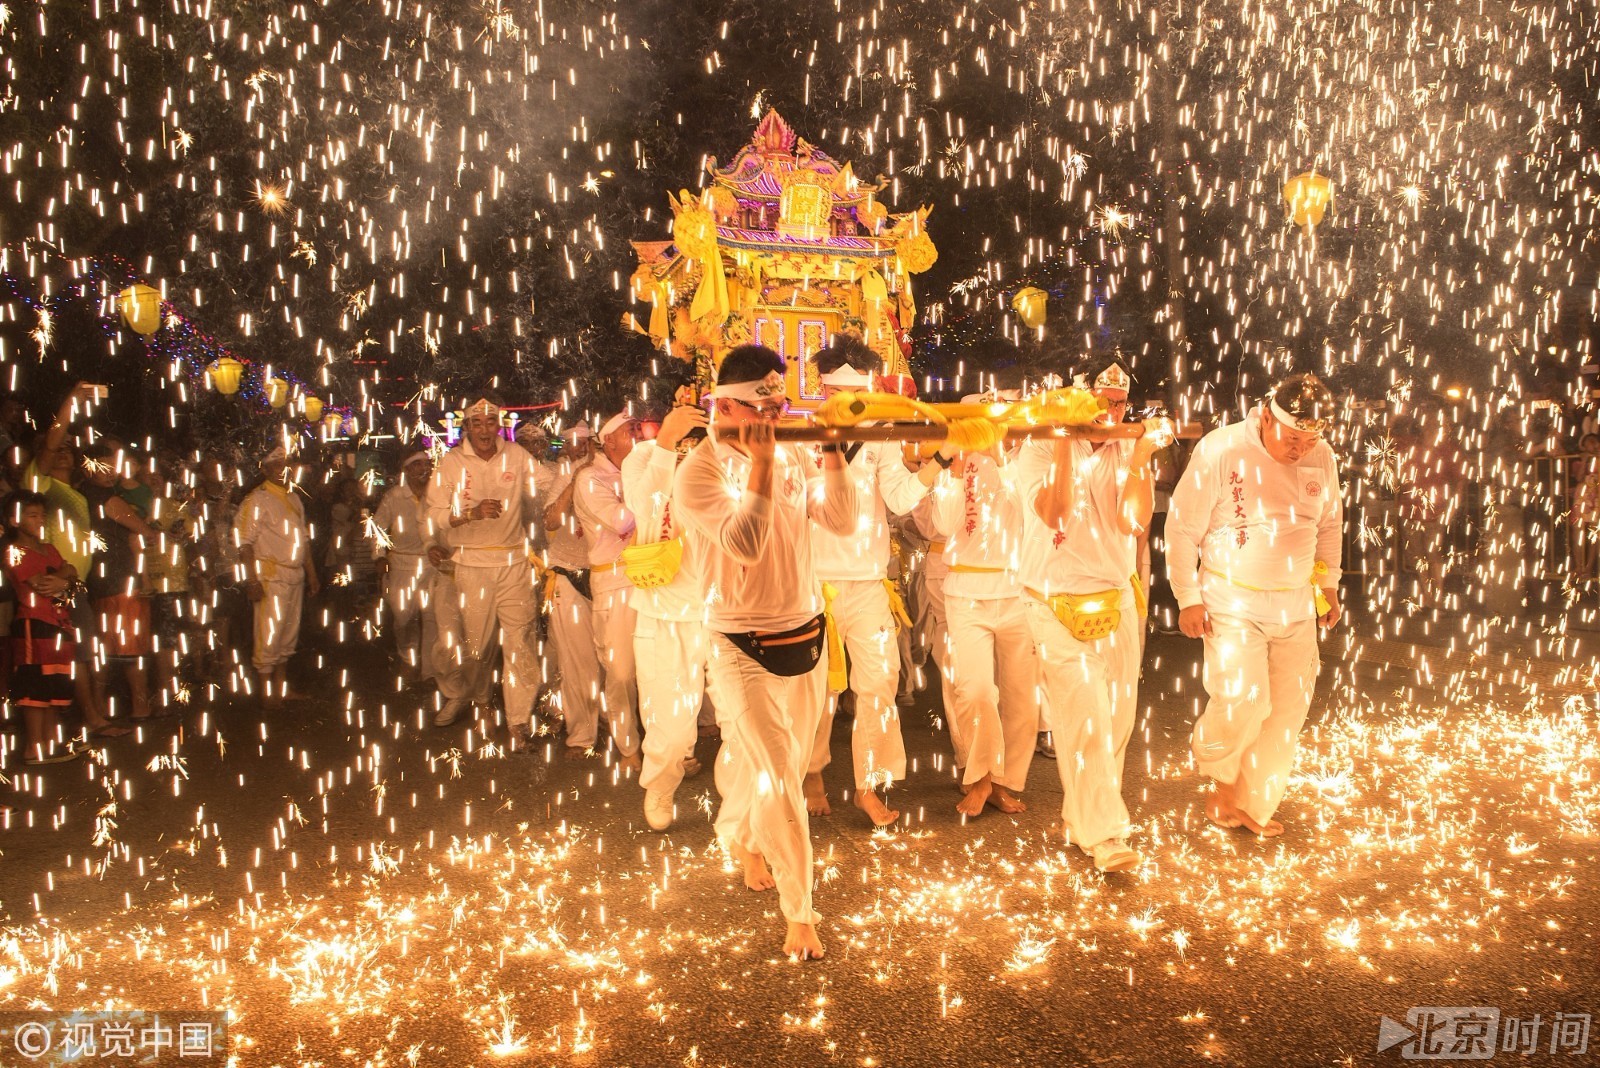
(883, 484)
(1093, 553)
(1254, 524)
(607, 523)
(647, 478)
(979, 516)
(402, 518)
(463, 479)
(564, 545)
(759, 571)
(272, 521)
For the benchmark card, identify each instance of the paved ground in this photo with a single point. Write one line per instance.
(359, 890)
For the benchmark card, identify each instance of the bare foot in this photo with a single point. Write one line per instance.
(633, 762)
(756, 875)
(975, 796)
(1220, 808)
(802, 942)
(880, 813)
(816, 795)
(1270, 829)
(1006, 801)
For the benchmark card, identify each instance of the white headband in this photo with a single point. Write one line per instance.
(846, 377)
(421, 454)
(1294, 422)
(1113, 377)
(751, 392)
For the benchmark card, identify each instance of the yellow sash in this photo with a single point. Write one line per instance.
(838, 665)
(897, 605)
(1318, 570)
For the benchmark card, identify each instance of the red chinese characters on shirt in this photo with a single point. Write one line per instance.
(1236, 493)
(970, 503)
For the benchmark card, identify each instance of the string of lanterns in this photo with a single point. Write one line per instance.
(165, 330)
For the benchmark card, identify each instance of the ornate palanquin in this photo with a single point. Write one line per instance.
(784, 247)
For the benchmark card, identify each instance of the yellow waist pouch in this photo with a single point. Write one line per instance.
(1088, 617)
(656, 564)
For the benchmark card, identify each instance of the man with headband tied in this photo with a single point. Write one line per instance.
(1253, 549)
(854, 568)
(747, 506)
(1086, 504)
(480, 502)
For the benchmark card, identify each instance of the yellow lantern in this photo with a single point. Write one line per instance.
(330, 425)
(141, 308)
(224, 375)
(1029, 304)
(1308, 195)
(277, 392)
(312, 407)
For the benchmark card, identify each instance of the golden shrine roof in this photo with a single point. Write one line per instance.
(758, 171)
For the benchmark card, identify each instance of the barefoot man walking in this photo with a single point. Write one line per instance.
(747, 506)
(1253, 548)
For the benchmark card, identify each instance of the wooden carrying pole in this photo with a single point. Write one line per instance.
(939, 431)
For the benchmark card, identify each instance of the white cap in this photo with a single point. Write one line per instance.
(616, 423)
(279, 455)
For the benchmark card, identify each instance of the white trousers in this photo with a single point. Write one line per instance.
(277, 621)
(993, 671)
(768, 724)
(931, 632)
(1260, 678)
(572, 634)
(1091, 691)
(614, 620)
(861, 612)
(408, 594)
(488, 597)
(671, 660)
(459, 676)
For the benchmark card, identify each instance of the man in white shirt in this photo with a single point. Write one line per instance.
(478, 501)
(854, 569)
(571, 604)
(744, 503)
(607, 530)
(1254, 552)
(670, 640)
(401, 552)
(990, 665)
(275, 558)
(1087, 503)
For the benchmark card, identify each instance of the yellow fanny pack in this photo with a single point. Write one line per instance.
(656, 564)
(1088, 617)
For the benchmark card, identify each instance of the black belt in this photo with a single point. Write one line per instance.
(579, 579)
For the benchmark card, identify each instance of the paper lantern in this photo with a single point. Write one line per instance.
(917, 252)
(312, 407)
(224, 375)
(277, 392)
(330, 424)
(141, 308)
(1029, 304)
(1308, 196)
